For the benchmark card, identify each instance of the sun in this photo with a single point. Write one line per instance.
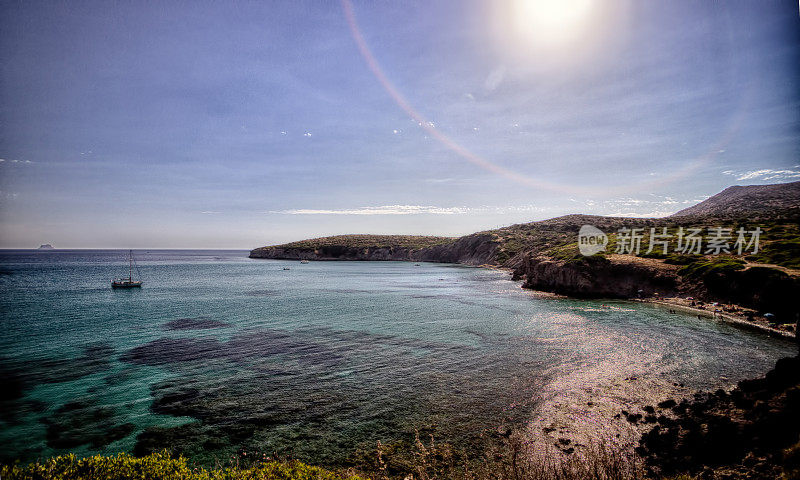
(550, 22)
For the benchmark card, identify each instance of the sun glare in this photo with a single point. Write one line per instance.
(550, 22)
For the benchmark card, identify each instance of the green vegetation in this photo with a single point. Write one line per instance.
(160, 466)
(681, 259)
(785, 253)
(716, 265)
(570, 254)
(413, 242)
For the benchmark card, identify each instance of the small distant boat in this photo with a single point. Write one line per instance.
(303, 261)
(286, 268)
(128, 282)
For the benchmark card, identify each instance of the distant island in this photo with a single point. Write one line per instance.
(757, 287)
(46, 246)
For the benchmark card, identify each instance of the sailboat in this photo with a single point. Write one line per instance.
(128, 282)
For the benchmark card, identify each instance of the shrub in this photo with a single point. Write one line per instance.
(161, 466)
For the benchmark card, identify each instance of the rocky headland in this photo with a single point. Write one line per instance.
(544, 255)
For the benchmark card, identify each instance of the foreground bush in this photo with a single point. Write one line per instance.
(158, 466)
(512, 461)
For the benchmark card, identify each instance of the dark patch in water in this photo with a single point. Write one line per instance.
(174, 350)
(192, 440)
(196, 323)
(243, 349)
(120, 377)
(12, 384)
(263, 293)
(82, 422)
(16, 377)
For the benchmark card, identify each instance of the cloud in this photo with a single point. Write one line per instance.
(307, 134)
(765, 174)
(642, 213)
(449, 180)
(657, 206)
(495, 78)
(15, 161)
(414, 210)
(380, 210)
(209, 212)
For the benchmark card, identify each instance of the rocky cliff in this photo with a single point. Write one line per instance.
(476, 249)
(598, 277)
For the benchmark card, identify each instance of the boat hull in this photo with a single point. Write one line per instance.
(126, 284)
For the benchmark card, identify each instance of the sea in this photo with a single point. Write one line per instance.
(218, 354)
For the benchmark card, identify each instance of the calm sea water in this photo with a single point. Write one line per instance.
(218, 352)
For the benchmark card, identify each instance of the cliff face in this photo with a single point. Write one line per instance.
(477, 249)
(596, 277)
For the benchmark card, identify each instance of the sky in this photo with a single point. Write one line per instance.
(242, 124)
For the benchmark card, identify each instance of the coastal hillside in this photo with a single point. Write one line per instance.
(544, 254)
(754, 201)
(353, 247)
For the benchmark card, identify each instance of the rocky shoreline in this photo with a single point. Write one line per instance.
(750, 432)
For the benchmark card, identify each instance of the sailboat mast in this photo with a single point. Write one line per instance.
(130, 265)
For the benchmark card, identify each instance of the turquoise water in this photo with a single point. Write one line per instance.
(218, 353)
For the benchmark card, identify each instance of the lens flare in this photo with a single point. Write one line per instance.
(550, 22)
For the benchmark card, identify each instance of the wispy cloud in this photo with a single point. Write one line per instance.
(655, 206)
(414, 210)
(495, 78)
(380, 210)
(2, 160)
(766, 174)
(209, 212)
